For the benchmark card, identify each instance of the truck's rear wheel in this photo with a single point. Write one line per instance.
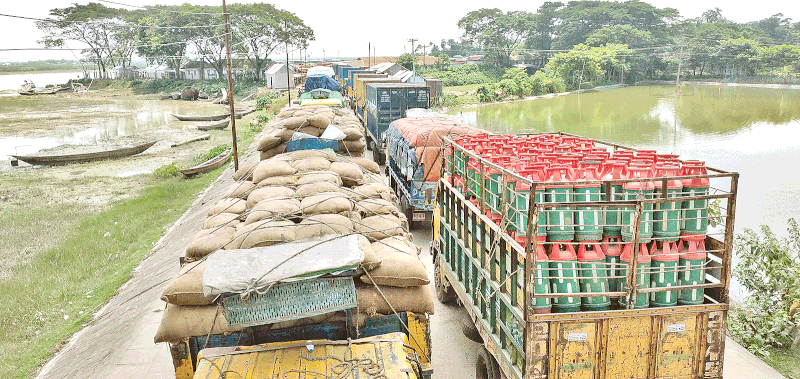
(444, 290)
(486, 367)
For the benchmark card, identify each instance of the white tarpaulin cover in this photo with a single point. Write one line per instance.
(242, 271)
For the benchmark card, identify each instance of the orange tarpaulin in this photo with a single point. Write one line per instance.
(425, 135)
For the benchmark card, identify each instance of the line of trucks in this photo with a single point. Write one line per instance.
(574, 257)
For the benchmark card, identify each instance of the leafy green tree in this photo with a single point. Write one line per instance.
(406, 60)
(263, 29)
(576, 65)
(740, 54)
(166, 43)
(769, 269)
(496, 32)
(442, 61)
(778, 28)
(544, 23)
(621, 34)
(515, 83)
(782, 58)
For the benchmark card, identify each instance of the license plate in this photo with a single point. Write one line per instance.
(418, 217)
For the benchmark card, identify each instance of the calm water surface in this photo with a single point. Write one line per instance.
(41, 79)
(753, 131)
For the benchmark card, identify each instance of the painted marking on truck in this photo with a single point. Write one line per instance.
(676, 328)
(577, 337)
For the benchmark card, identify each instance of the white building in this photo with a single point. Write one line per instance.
(276, 77)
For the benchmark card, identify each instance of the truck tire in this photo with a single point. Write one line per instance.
(486, 366)
(444, 290)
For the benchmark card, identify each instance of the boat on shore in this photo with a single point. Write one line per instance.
(62, 159)
(213, 125)
(208, 165)
(214, 117)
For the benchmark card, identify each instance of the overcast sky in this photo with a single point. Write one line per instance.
(343, 28)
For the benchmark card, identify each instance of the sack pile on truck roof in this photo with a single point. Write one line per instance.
(296, 197)
(312, 121)
(414, 144)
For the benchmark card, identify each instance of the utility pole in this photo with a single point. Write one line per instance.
(288, 77)
(424, 54)
(230, 85)
(369, 51)
(413, 56)
(680, 60)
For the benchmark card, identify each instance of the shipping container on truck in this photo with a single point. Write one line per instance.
(502, 279)
(345, 74)
(361, 92)
(387, 102)
(351, 79)
(357, 78)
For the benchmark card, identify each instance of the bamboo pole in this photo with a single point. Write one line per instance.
(230, 85)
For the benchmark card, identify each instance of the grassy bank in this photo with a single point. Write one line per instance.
(785, 361)
(51, 298)
(144, 87)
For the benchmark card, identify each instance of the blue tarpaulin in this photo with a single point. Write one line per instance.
(314, 82)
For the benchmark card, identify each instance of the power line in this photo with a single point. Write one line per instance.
(159, 8)
(104, 48)
(123, 24)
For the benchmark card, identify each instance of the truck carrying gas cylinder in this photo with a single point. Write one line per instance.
(305, 245)
(582, 284)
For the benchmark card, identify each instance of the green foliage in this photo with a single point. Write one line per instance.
(406, 60)
(497, 32)
(442, 62)
(621, 34)
(450, 100)
(211, 153)
(263, 118)
(769, 269)
(465, 74)
(166, 171)
(240, 88)
(266, 98)
(576, 65)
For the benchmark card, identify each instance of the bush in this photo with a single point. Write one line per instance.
(211, 153)
(266, 98)
(166, 171)
(465, 74)
(769, 268)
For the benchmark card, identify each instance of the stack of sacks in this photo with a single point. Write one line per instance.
(294, 196)
(311, 120)
(414, 144)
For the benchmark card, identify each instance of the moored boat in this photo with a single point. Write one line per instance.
(62, 159)
(213, 125)
(208, 165)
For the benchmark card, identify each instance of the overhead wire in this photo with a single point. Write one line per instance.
(128, 25)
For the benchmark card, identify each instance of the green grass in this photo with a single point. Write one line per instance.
(787, 362)
(82, 271)
(464, 88)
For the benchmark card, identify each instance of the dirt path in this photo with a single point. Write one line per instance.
(118, 343)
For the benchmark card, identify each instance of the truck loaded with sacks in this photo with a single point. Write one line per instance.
(303, 267)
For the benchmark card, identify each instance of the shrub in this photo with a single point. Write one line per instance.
(166, 171)
(266, 98)
(465, 74)
(211, 153)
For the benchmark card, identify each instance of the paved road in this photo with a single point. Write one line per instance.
(119, 342)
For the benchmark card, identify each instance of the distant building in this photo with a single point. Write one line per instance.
(276, 77)
(157, 71)
(196, 70)
(120, 72)
(388, 68)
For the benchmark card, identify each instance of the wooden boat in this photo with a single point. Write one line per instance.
(214, 117)
(52, 160)
(214, 125)
(208, 165)
(45, 91)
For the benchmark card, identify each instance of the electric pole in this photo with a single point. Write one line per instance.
(288, 77)
(413, 56)
(678, 78)
(230, 85)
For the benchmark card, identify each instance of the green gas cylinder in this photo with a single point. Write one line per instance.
(587, 219)
(561, 226)
(612, 249)
(642, 274)
(667, 216)
(612, 216)
(695, 212)
(593, 276)
(635, 191)
(664, 273)
(541, 284)
(692, 271)
(563, 271)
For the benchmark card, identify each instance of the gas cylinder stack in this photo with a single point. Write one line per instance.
(597, 208)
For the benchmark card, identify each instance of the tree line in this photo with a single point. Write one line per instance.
(169, 35)
(603, 41)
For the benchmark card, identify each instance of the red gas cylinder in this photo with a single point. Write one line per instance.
(548, 146)
(582, 150)
(569, 161)
(563, 148)
(666, 158)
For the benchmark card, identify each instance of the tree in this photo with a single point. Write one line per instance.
(544, 22)
(497, 33)
(778, 28)
(575, 65)
(167, 41)
(92, 24)
(210, 51)
(783, 58)
(740, 54)
(442, 61)
(406, 60)
(263, 29)
(621, 34)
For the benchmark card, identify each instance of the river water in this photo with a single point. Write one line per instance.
(15, 81)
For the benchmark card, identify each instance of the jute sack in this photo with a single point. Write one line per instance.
(208, 241)
(288, 180)
(403, 299)
(228, 205)
(269, 141)
(265, 155)
(380, 227)
(220, 219)
(311, 164)
(273, 207)
(286, 113)
(310, 130)
(285, 135)
(326, 202)
(371, 207)
(398, 269)
(269, 192)
(319, 176)
(352, 134)
(303, 154)
(324, 224)
(295, 122)
(372, 191)
(262, 233)
(187, 287)
(180, 322)
(366, 164)
(394, 244)
(240, 189)
(357, 145)
(245, 172)
(314, 188)
(347, 170)
(319, 121)
(270, 168)
(371, 260)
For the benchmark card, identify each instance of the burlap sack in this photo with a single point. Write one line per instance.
(187, 287)
(271, 208)
(347, 170)
(180, 322)
(268, 141)
(371, 207)
(289, 180)
(326, 202)
(398, 269)
(285, 135)
(286, 113)
(314, 188)
(394, 244)
(311, 164)
(352, 134)
(268, 192)
(371, 260)
(319, 176)
(407, 299)
(310, 130)
(373, 191)
(366, 164)
(303, 154)
(208, 241)
(228, 205)
(265, 155)
(270, 168)
(295, 122)
(357, 145)
(262, 233)
(245, 171)
(380, 227)
(240, 189)
(319, 121)
(220, 219)
(323, 224)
